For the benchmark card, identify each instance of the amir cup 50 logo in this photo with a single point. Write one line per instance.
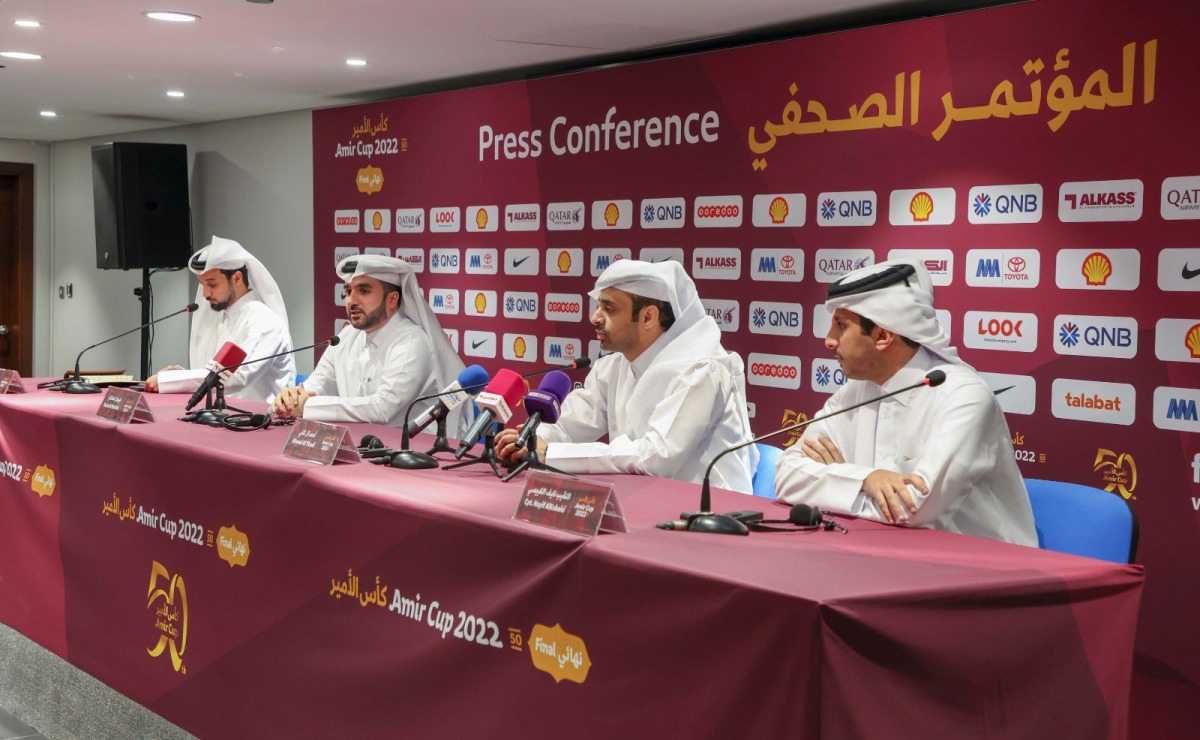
(1118, 471)
(168, 599)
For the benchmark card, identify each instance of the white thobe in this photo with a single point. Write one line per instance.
(954, 436)
(668, 424)
(373, 376)
(258, 330)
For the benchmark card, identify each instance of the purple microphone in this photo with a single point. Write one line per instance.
(543, 404)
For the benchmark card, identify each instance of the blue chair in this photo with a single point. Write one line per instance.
(1082, 520)
(764, 474)
(301, 378)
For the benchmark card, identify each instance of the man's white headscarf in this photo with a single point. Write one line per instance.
(226, 254)
(446, 363)
(898, 296)
(663, 281)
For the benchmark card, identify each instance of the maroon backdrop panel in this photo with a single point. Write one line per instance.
(1039, 158)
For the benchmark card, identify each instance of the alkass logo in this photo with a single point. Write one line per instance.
(1119, 472)
(775, 371)
(791, 418)
(1003, 268)
(168, 603)
(564, 307)
(523, 217)
(851, 208)
(482, 261)
(782, 319)
(661, 254)
(922, 207)
(833, 264)
(783, 209)
(827, 376)
(479, 344)
(561, 351)
(717, 211)
(414, 256)
(520, 305)
(369, 180)
(410, 221)
(1088, 269)
(379, 221)
(1012, 332)
(564, 262)
(479, 303)
(1177, 409)
(1095, 336)
(1179, 269)
(346, 222)
(1100, 200)
(719, 263)
(1005, 204)
(443, 300)
(1180, 198)
(483, 218)
(521, 261)
(520, 348)
(564, 216)
(445, 219)
(777, 265)
(939, 263)
(443, 261)
(1177, 340)
(603, 258)
(1017, 394)
(1093, 400)
(452, 335)
(725, 313)
(612, 214)
(663, 213)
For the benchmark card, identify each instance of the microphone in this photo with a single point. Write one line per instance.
(543, 404)
(468, 384)
(76, 384)
(229, 354)
(496, 402)
(581, 364)
(707, 521)
(332, 342)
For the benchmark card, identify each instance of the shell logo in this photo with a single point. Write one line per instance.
(564, 258)
(480, 303)
(1097, 267)
(519, 347)
(778, 210)
(1192, 339)
(481, 218)
(921, 206)
(377, 220)
(612, 214)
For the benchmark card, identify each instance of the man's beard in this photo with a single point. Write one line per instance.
(373, 319)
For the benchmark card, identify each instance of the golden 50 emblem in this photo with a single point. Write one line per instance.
(789, 418)
(168, 599)
(1118, 471)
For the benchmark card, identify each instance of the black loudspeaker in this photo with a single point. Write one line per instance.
(140, 193)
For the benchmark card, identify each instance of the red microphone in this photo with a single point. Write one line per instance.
(497, 401)
(228, 354)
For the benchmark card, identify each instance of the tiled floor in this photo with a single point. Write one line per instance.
(12, 728)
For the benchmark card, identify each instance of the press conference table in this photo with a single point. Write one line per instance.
(242, 594)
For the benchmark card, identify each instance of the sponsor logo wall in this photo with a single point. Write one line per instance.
(1053, 276)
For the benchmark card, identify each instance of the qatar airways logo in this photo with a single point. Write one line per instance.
(663, 213)
(1093, 400)
(939, 263)
(778, 210)
(725, 313)
(346, 222)
(378, 221)
(341, 253)
(1180, 198)
(774, 371)
(777, 265)
(834, 264)
(564, 307)
(1010, 332)
(523, 217)
(520, 305)
(717, 211)
(1100, 200)
(445, 220)
(826, 376)
(608, 215)
(483, 218)
(717, 263)
(565, 216)
(410, 220)
(414, 256)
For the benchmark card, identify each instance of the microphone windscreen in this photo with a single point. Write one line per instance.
(803, 515)
(581, 363)
(191, 307)
(473, 379)
(556, 383)
(334, 340)
(935, 377)
(229, 354)
(508, 385)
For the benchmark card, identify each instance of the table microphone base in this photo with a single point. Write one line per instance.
(716, 524)
(411, 460)
(80, 386)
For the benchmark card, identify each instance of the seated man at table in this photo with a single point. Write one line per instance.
(247, 310)
(392, 351)
(670, 398)
(939, 458)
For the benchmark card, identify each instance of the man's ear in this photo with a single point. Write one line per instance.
(649, 317)
(884, 338)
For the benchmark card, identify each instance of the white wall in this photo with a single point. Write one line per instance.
(38, 154)
(250, 180)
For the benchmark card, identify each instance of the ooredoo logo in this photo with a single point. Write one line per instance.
(774, 371)
(445, 219)
(564, 262)
(717, 211)
(1011, 332)
(612, 214)
(379, 221)
(564, 307)
(1093, 400)
(1005, 204)
(1095, 336)
(483, 218)
(776, 210)
(1092, 269)
(1100, 200)
(719, 263)
(922, 207)
(346, 222)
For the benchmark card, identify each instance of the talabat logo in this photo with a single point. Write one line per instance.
(379, 221)
(561, 351)
(776, 210)
(445, 219)
(1100, 200)
(1005, 204)
(1177, 409)
(410, 221)
(777, 265)
(1003, 268)
(168, 605)
(523, 217)
(1096, 336)
(564, 307)
(939, 263)
(520, 305)
(717, 263)
(782, 319)
(717, 211)
(833, 264)
(1179, 269)
(479, 303)
(522, 261)
(612, 214)
(1177, 340)
(725, 313)
(1092, 269)
(661, 254)
(774, 371)
(443, 261)
(1011, 332)
(1093, 400)
(1180, 198)
(851, 208)
(479, 344)
(603, 258)
(1017, 394)
(346, 222)
(663, 213)
(827, 376)
(520, 348)
(369, 180)
(565, 216)
(443, 300)
(564, 262)
(414, 256)
(1118, 471)
(922, 207)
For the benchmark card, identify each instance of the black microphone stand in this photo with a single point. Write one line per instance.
(532, 460)
(487, 456)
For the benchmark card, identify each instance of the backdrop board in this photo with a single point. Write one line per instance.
(1037, 158)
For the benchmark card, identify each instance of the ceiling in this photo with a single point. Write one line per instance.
(106, 68)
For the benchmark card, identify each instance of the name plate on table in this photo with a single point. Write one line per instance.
(570, 504)
(10, 382)
(323, 444)
(124, 406)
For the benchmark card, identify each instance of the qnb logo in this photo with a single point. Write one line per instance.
(1068, 334)
(652, 214)
(982, 204)
(824, 375)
